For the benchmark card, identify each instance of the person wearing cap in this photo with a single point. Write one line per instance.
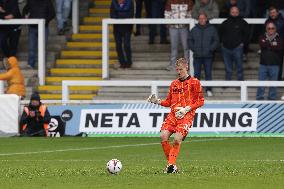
(14, 77)
(35, 118)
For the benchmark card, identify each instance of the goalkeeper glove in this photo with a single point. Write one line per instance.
(153, 99)
(180, 113)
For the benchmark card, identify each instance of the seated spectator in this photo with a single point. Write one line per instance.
(62, 13)
(233, 34)
(14, 77)
(122, 32)
(203, 41)
(243, 5)
(271, 44)
(9, 34)
(157, 11)
(37, 9)
(35, 118)
(178, 9)
(138, 12)
(210, 7)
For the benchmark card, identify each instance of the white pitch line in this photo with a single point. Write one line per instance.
(100, 148)
(96, 160)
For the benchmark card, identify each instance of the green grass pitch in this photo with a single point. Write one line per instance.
(233, 163)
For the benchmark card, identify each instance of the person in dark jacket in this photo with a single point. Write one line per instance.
(37, 9)
(278, 19)
(35, 118)
(122, 33)
(203, 41)
(271, 57)
(243, 5)
(233, 33)
(9, 34)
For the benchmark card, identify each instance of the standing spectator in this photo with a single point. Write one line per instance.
(203, 41)
(37, 9)
(138, 12)
(9, 34)
(122, 33)
(243, 5)
(279, 4)
(157, 11)
(278, 19)
(35, 118)
(271, 57)
(245, 12)
(178, 9)
(14, 77)
(62, 13)
(233, 34)
(210, 7)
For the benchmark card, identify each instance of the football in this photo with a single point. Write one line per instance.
(114, 166)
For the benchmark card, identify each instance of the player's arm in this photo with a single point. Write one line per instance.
(155, 100)
(198, 96)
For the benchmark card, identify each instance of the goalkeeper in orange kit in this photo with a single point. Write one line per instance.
(184, 97)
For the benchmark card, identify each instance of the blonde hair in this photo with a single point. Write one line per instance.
(181, 62)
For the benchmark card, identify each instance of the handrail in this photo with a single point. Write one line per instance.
(190, 21)
(155, 84)
(41, 41)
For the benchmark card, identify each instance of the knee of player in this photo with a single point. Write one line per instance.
(177, 141)
(164, 137)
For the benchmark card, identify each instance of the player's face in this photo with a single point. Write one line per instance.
(182, 71)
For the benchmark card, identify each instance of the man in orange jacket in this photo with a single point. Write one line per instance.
(184, 97)
(14, 78)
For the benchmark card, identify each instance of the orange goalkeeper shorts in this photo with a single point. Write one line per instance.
(174, 125)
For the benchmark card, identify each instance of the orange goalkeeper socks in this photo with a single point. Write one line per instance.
(173, 154)
(167, 148)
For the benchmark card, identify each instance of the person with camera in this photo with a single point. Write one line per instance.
(35, 118)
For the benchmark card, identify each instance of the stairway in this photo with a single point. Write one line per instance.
(81, 57)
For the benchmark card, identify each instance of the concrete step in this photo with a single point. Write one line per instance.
(58, 80)
(75, 72)
(57, 89)
(45, 96)
(81, 63)
(86, 54)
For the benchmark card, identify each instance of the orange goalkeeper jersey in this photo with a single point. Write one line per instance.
(184, 93)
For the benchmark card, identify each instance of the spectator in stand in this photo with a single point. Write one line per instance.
(245, 12)
(157, 11)
(122, 33)
(271, 57)
(14, 77)
(138, 13)
(278, 19)
(279, 4)
(203, 41)
(63, 8)
(178, 9)
(9, 34)
(243, 5)
(233, 34)
(210, 7)
(37, 9)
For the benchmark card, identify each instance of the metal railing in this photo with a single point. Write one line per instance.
(41, 41)
(155, 84)
(190, 21)
(75, 16)
(1, 87)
